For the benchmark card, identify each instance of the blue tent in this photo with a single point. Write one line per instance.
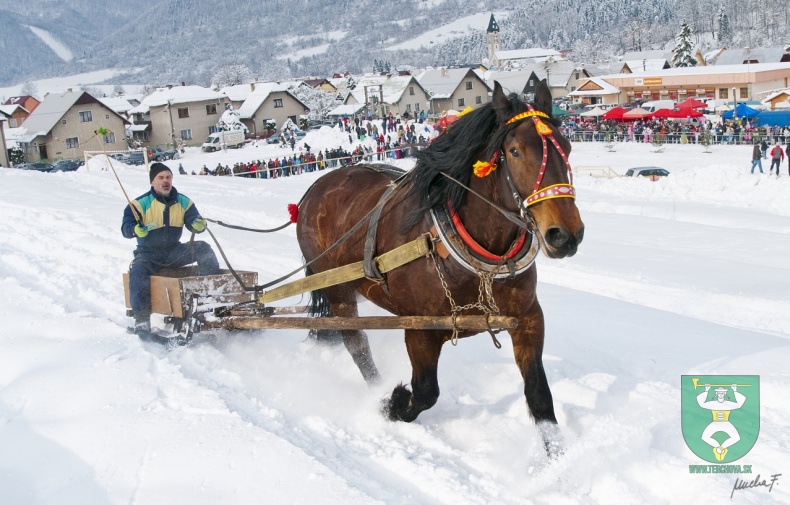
(743, 110)
(774, 117)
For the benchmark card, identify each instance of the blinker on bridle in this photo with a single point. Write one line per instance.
(483, 168)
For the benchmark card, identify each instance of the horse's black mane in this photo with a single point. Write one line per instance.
(475, 136)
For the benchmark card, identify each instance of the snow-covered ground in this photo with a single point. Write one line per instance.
(686, 275)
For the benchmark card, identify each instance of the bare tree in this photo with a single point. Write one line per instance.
(29, 89)
(118, 90)
(230, 75)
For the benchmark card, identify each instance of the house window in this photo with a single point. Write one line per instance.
(63, 122)
(478, 99)
(577, 76)
(416, 107)
(212, 129)
(146, 136)
(106, 116)
(411, 90)
(408, 107)
(723, 93)
(183, 112)
(211, 108)
(744, 92)
(72, 143)
(86, 116)
(186, 134)
(12, 123)
(461, 102)
(278, 102)
(109, 138)
(468, 84)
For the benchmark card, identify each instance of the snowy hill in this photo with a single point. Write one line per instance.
(279, 39)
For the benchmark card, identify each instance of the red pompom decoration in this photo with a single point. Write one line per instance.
(293, 211)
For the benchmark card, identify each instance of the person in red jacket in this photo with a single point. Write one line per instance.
(777, 157)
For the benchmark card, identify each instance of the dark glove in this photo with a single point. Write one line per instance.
(140, 231)
(199, 225)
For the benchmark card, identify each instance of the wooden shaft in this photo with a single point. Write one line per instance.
(474, 323)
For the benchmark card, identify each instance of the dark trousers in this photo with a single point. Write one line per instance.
(775, 162)
(146, 263)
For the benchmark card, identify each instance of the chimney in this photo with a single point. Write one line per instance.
(169, 86)
(68, 90)
(183, 83)
(444, 71)
(252, 86)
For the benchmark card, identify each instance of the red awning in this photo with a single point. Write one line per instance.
(662, 114)
(615, 113)
(686, 113)
(691, 103)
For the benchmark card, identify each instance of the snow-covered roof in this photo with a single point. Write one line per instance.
(604, 88)
(176, 95)
(10, 109)
(117, 103)
(140, 127)
(707, 70)
(523, 54)
(347, 110)
(739, 56)
(511, 82)
(48, 113)
(646, 65)
(442, 83)
(777, 93)
(256, 97)
(392, 87)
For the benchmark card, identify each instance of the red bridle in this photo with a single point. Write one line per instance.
(555, 190)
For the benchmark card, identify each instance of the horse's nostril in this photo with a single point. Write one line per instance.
(557, 237)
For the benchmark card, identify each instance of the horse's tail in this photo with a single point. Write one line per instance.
(318, 306)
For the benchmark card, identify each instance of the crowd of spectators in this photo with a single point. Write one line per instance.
(740, 131)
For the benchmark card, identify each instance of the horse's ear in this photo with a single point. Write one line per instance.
(502, 106)
(543, 97)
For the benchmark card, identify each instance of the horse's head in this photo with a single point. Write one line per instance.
(535, 157)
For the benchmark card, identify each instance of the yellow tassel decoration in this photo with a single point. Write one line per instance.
(483, 168)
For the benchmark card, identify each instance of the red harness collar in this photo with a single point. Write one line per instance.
(472, 244)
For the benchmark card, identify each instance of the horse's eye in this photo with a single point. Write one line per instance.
(514, 152)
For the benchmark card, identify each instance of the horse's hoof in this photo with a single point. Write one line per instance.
(394, 407)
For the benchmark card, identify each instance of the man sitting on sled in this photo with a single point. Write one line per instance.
(157, 219)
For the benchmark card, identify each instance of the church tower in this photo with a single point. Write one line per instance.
(493, 40)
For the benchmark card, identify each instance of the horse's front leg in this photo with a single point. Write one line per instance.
(424, 348)
(528, 350)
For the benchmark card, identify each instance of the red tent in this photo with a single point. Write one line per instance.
(616, 113)
(686, 113)
(662, 114)
(691, 103)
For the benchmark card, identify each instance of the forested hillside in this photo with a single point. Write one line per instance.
(187, 40)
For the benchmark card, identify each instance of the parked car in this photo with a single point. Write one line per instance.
(157, 154)
(123, 158)
(650, 172)
(37, 165)
(275, 139)
(136, 158)
(68, 165)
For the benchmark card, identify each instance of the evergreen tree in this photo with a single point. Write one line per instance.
(682, 54)
(725, 30)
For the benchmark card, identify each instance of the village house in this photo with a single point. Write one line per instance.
(388, 94)
(779, 100)
(172, 114)
(322, 84)
(4, 162)
(19, 108)
(454, 88)
(260, 103)
(64, 125)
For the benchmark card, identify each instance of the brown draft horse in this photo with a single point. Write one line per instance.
(530, 182)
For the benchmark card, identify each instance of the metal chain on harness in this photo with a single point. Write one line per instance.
(485, 298)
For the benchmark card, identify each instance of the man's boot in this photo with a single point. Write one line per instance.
(142, 326)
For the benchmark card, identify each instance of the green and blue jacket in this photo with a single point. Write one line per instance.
(165, 217)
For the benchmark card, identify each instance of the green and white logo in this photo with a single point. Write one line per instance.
(720, 415)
